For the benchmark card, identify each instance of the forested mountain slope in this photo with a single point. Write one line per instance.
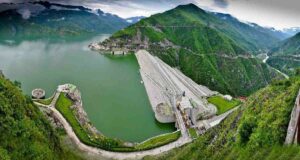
(264, 36)
(206, 48)
(286, 56)
(290, 46)
(256, 131)
(24, 131)
(44, 19)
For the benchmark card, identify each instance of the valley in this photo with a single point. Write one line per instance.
(185, 83)
(285, 56)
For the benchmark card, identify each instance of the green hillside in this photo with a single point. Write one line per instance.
(286, 56)
(256, 131)
(256, 37)
(290, 46)
(24, 132)
(206, 48)
(70, 22)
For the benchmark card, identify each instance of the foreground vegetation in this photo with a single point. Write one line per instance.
(257, 130)
(64, 104)
(193, 132)
(222, 104)
(24, 132)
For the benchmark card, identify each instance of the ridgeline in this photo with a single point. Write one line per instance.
(206, 48)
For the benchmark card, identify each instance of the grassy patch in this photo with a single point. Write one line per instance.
(158, 141)
(63, 106)
(193, 132)
(45, 101)
(222, 104)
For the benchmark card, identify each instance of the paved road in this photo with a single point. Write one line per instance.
(218, 119)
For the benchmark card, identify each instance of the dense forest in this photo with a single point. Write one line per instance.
(25, 132)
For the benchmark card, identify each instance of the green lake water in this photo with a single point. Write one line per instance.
(113, 97)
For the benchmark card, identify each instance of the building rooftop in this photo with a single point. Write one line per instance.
(66, 88)
(38, 93)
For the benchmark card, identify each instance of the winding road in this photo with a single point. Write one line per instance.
(109, 154)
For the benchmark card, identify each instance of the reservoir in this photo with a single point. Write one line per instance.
(113, 95)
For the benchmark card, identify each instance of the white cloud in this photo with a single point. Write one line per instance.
(276, 13)
(25, 13)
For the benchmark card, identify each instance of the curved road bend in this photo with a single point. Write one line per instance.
(108, 154)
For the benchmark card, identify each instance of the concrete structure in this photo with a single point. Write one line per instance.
(66, 88)
(161, 80)
(293, 131)
(114, 50)
(38, 93)
(168, 86)
(164, 113)
(203, 125)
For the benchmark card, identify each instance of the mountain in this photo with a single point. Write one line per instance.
(210, 50)
(255, 32)
(25, 132)
(44, 19)
(290, 46)
(291, 31)
(133, 20)
(286, 56)
(256, 130)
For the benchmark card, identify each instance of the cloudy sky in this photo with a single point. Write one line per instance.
(272, 13)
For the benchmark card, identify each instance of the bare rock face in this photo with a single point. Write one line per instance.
(80, 114)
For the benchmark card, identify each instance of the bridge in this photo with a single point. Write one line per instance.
(293, 132)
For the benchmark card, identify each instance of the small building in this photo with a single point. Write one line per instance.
(185, 106)
(38, 93)
(66, 88)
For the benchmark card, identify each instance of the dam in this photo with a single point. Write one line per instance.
(173, 96)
